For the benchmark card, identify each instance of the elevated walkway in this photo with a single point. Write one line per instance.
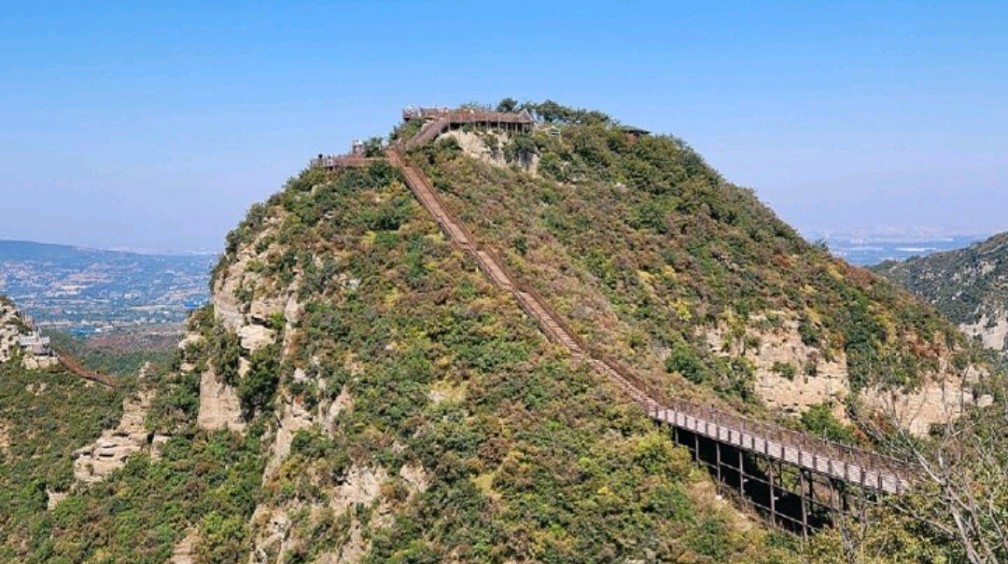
(334, 162)
(74, 366)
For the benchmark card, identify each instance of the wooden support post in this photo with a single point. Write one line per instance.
(834, 505)
(861, 505)
(773, 502)
(696, 445)
(741, 473)
(717, 447)
(801, 494)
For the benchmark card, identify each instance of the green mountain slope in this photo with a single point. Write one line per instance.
(39, 430)
(969, 285)
(358, 391)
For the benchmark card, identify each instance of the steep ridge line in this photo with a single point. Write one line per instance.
(853, 465)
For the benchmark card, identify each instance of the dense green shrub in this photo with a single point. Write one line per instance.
(45, 416)
(819, 420)
(257, 389)
(225, 355)
(609, 207)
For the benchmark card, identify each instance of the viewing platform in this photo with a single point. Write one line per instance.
(469, 115)
(438, 120)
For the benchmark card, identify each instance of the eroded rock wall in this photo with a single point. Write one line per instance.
(791, 377)
(94, 462)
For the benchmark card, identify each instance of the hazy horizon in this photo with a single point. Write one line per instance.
(963, 239)
(156, 127)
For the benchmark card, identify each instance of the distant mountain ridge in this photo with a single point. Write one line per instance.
(31, 250)
(968, 285)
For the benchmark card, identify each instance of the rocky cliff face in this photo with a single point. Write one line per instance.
(790, 375)
(493, 148)
(262, 310)
(94, 462)
(13, 326)
(9, 330)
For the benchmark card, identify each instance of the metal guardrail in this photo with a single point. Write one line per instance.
(445, 119)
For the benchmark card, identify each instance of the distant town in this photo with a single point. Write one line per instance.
(88, 292)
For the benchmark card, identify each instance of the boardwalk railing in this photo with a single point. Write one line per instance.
(74, 366)
(442, 120)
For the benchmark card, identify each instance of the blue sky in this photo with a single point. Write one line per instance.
(155, 125)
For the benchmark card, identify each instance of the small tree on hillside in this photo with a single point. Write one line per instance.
(507, 105)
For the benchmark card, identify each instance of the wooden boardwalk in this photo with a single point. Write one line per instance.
(728, 432)
(74, 366)
(852, 465)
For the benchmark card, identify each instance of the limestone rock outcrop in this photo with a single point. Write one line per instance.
(991, 329)
(219, 406)
(110, 452)
(255, 308)
(791, 377)
(8, 331)
(489, 148)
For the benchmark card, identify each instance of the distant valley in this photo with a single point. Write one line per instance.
(87, 291)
